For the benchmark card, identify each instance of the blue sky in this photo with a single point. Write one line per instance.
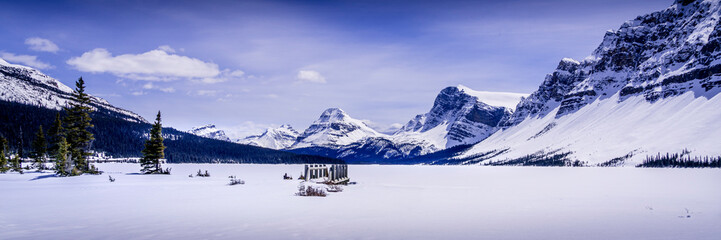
(247, 65)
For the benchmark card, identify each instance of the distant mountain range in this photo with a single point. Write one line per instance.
(458, 117)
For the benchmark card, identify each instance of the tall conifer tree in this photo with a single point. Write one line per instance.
(62, 167)
(39, 149)
(54, 134)
(154, 149)
(77, 123)
(3, 159)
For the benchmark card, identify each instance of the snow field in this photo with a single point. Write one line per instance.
(388, 202)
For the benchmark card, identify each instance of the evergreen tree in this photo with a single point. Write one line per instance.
(154, 149)
(54, 134)
(16, 164)
(61, 158)
(3, 159)
(21, 143)
(77, 123)
(39, 149)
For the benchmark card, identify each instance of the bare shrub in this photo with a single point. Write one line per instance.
(235, 181)
(310, 191)
(201, 174)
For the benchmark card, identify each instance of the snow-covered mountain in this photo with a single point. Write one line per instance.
(334, 129)
(650, 87)
(458, 117)
(209, 131)
(26, 85)
(276, 138)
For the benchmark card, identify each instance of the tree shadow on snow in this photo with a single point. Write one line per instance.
(43, 177)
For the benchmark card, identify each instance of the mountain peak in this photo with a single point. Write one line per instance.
(458, 116)
(333, 115)
(276, 138)
(209, 131)
(334, 128)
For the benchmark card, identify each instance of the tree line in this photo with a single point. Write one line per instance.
(682, 160)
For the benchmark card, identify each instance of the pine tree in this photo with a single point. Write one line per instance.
(54, 134)
(39, 149)
(61, 158)
(154, 149)
(77, 123)
(3, 159)
(20, 153)
(16, 164)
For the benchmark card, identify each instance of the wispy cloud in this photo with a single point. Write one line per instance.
(224, 76)
(207, 93)
(310, 76)
(41, 45)
(27, 60)
(246, 128)
(383, 128)
(151, 86)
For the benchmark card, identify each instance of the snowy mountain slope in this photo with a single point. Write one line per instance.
(334, 129)
(275, 138)
(457, 117)
(651, 86)
(209, 131)
(26, 85)
(606, 129)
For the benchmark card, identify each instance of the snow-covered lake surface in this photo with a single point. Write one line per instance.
(388, 202)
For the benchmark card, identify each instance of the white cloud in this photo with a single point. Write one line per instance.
(383, 128)
(154, 65)
(310, 76)
(167, 49)
(206, 93)
(41, 45)
(167, 89)
(246, 128)
(27, 60)
(151, 86)
(224, 76)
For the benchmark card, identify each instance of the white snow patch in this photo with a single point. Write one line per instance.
(500, 99)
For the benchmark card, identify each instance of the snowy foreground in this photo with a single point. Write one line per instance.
(388, 202)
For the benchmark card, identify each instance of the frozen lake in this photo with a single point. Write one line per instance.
(388, 202)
